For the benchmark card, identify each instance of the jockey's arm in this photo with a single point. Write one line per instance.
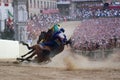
(65, 39)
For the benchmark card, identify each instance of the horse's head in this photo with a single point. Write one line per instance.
(69, 42)
(45, 36)
(41, 37)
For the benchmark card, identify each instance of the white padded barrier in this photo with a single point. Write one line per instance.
(9, 49)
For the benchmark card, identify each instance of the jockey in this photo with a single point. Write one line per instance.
(57, 37)
(60, 35)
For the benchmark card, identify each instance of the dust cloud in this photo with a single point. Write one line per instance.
(72, 61)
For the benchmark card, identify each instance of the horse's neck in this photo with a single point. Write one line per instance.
(49, 35)
(41, 37)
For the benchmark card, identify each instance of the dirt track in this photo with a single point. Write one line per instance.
(65, 66)
(18, 72)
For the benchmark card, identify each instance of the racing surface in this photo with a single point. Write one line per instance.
(64, 66)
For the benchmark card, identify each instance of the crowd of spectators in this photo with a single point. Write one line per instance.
(39, 23)
(87, 13)
(101, 33)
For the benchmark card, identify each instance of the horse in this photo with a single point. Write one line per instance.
(42, 37)
(43, 55)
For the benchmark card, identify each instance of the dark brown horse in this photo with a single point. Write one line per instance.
(43, 54)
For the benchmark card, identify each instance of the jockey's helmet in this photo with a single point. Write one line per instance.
(56, 28)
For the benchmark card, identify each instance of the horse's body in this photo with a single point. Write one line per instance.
(46, 53)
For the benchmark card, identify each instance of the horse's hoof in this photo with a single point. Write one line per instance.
(22, 56)
(28, 60)
(20, 59)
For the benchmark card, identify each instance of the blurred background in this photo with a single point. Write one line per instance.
(25, 19)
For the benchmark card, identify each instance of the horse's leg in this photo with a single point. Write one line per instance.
(26, 45)
(27, 53)
(43, 54)
(33, 54)
(37, 51)
(22, 59)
